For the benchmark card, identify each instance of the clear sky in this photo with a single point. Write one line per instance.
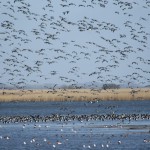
(71, 42)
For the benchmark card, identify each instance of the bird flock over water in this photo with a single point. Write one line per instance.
(70, 42)
(61, 131)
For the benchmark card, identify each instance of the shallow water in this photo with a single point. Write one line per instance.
(46, 108)
(107, 134)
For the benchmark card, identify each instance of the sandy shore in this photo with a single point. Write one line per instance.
(74, 94)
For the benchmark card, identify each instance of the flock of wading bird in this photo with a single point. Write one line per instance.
(70, 117)
(37, 123)
(51, 42)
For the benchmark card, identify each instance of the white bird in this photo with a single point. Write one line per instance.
(102, 145)
(24, 143)
(89, 146)
(45, 139)
(33, 140)
(7, 138)
(59, 143)
(107, 145)
(119, 142)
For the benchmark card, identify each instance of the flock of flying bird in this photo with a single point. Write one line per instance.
(69, 42)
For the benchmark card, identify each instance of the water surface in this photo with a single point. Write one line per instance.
(93, 134)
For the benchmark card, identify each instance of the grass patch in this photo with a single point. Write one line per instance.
(74, 94)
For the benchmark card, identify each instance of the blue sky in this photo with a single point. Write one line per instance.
(71, 42)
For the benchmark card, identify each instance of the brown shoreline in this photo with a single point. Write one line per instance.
(74, 95)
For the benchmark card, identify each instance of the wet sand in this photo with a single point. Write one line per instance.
(74, 94)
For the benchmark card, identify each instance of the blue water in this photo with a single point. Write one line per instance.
(107, 134)
(99, 107)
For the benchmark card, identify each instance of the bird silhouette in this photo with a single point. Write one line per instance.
(50, 44)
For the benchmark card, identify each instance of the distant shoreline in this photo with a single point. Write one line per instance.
(74, 95)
